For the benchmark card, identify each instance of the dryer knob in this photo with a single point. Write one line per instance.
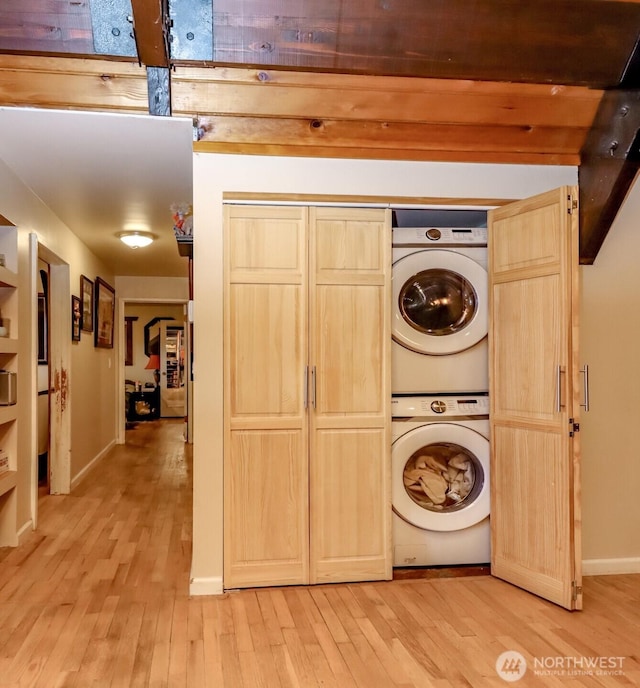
(433, 234)
(438, 406)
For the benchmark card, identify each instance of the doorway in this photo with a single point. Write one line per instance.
(42, 378)
(154, 366)
(52, 342)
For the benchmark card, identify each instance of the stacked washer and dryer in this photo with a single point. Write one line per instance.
(440, 404)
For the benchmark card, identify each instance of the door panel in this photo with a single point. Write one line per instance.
(535, 507)
(350, 434)
(266, 532)
(349, 537)
(265, 349)
(527, 390)
(349, 358)
(267, 508)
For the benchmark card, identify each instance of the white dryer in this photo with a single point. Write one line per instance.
(440, 480)
(439, 310)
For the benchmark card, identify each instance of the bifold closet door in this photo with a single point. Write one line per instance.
(266, 529)
(349, 356)
(535, 396)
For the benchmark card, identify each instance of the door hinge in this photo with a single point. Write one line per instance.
(575, 590)
(572, 204)
(573, 427)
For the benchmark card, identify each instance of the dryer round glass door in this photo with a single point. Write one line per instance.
(440, 477)
(440, 302)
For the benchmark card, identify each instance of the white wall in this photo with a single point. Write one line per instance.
(610, 345)
(216, 174)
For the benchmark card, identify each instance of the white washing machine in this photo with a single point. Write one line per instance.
(440, 310)
(440, 480)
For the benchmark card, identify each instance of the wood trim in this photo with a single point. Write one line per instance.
(470, 156)
(425, 138)
(357, 200)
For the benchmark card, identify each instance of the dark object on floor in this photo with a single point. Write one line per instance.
(441, 572)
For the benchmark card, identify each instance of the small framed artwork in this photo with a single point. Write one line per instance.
(86, 299)
(76, 318)
(105, 311)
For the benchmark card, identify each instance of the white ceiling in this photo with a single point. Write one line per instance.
(105, 173)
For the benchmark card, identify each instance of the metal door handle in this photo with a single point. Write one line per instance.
(585, 371)
(559, 404)
(313, 387)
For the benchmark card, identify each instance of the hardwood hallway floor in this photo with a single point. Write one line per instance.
(98, 597)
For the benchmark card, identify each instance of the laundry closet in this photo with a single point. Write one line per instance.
(333, 522)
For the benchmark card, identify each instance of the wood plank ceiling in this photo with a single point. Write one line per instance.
(544, 81)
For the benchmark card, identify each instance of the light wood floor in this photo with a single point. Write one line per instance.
(98, 597)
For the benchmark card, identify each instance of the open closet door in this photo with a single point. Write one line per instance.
(535, 495)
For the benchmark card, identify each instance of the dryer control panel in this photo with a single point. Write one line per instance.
(446, 236)
(446, 406)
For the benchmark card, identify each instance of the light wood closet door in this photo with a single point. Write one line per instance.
(350, 411)
(266, 429)
(535, 506)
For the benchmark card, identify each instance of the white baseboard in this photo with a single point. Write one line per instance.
(206, 586)
(77, 479)
(602, 567)
(26, 529)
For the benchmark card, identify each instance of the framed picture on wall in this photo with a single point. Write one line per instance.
(76, 318)
(86, 298)
(105, 310)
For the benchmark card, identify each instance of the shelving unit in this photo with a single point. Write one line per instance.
(173, 344)
(9, 362)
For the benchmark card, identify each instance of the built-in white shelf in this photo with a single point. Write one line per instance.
(8, 480)
(8, 345)
(8, 413)
(8, 278)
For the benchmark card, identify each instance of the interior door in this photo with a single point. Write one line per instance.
(535, 496)
(266, 475)
(350, 436)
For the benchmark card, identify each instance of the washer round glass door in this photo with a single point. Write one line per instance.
(440, 302)
(440, 477)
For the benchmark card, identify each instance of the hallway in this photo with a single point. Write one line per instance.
(98, 597)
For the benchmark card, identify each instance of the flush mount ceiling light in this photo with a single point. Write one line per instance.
(136, 239)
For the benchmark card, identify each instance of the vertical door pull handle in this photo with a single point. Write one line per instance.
(305, 387)
(559, 404)
(585, 371)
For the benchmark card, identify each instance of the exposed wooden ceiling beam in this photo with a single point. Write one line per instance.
(73, 83)
(151, 29)
(610, 159)
(579, 42)
(344, 115)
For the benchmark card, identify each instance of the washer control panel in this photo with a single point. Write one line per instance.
(433, 406)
